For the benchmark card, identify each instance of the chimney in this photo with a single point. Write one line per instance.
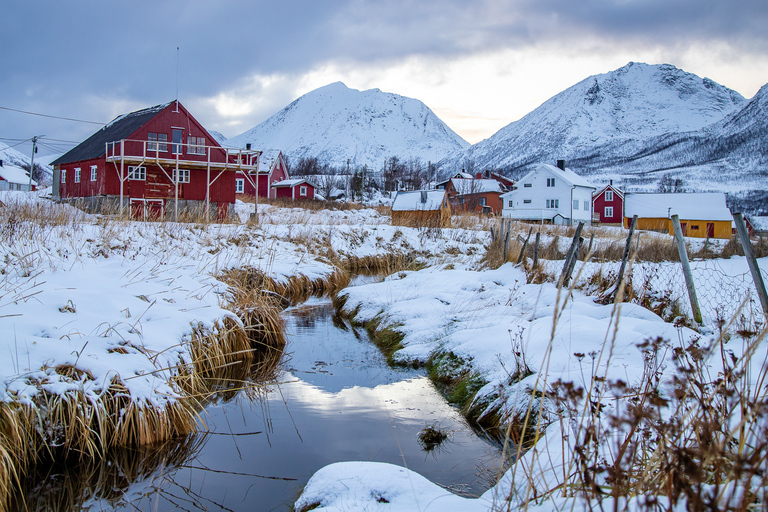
(611, 182)
(479, 175)
(561, 164)
(1, 163)
(423, 197)
(247, 146)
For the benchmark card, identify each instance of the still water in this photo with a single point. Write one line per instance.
(334, 399)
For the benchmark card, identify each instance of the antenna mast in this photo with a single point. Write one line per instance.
(177, 79)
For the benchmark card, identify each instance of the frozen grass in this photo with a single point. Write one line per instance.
(152, 334)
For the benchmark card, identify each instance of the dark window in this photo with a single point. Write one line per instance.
(177, 140)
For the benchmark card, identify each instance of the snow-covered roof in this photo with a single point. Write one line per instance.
(567, 175)
(474, 186)
(614, 189)
(268, 159)
(688, 206)
(13, 174)
(292, 183)
(759, 223)
(411, 201)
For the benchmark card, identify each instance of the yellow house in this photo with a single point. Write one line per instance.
(702, 214)
(421, 208)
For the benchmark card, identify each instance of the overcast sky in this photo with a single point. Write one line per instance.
(479, 65)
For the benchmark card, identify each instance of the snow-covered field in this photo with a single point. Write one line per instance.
(120, 298)
(498, 325)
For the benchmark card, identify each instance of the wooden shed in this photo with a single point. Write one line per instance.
(421, 208)
(294, 189)
(702, 214)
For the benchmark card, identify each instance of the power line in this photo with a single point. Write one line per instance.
(52, 117)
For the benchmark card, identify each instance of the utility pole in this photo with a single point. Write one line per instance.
(32, 164)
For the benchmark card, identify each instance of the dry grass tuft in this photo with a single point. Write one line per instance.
(381, 263)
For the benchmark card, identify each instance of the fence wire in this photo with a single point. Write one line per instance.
(721, 286)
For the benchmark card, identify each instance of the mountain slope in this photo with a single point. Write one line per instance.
(336, 123)
(620, 109)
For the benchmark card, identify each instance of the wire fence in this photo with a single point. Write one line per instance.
(724, 289)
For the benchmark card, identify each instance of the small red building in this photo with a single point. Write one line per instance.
(272, 169)
(158, 161)
(608, 205)
(294, 189)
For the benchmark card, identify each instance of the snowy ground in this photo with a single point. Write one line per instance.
(72, 293)
(115, 298)
(485, 319)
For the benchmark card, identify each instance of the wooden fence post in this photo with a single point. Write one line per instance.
(625, 258)
(686, 269)
(506, 239)
(536, 249)
(525, 244)
(565, 276)
(757, 277)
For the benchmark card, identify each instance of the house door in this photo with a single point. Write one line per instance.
(177, 138)
(710, 230)
(684, 228)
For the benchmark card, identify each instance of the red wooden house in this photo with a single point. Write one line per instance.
(272, 169)
(294, 189)
(608, 205)
(158, 161)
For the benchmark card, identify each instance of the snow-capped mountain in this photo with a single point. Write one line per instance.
(335, 123)
(616, 111)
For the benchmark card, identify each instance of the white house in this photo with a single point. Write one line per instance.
(550, 194)
(13, 177)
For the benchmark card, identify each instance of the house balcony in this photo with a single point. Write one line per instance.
(181, 156)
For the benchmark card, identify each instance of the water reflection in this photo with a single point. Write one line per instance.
(334, 399)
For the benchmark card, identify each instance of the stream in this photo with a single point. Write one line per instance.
(334, 399)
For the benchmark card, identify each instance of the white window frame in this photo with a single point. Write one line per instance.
(137, 173)
(587, 206)
(553, 204)
(303, 191)
(157, 141)
(511, 203)
(482, 201)
(608, 211)
(196, 145)
(94, 172)
(550, 182)
(77, 175)
(239, 185)
(609, 196)
(575, 204)
(527, 201)
(527, 185)
(183, 176)
(63, 175)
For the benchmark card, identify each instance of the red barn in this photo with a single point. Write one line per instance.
(608, 205)
(272, 169)
(158, 161)
(294, 189)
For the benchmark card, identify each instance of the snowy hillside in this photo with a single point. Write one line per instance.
(617, 110)
(336, 123)
(12, 156)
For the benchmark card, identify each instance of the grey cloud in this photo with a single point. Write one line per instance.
(58, 56)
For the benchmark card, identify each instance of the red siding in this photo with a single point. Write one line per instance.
(157, 184)
(599, 205)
